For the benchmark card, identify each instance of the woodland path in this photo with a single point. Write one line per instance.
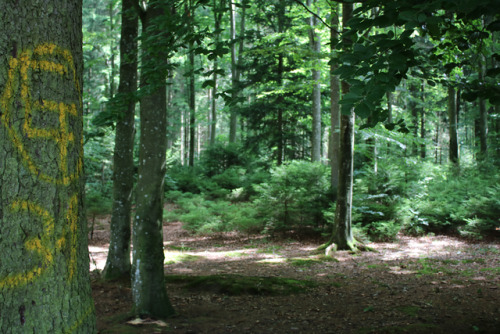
(432, 284)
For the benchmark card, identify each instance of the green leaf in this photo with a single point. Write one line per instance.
(363, 110)
(208, 83)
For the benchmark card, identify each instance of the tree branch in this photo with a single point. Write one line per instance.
(315, 15)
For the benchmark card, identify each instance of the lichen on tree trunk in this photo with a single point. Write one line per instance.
(148, 281)
(44, 268)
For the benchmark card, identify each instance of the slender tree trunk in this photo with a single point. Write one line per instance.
(233, 121)
(414, 117)
(192, 93)
(342, 233)
(192, 109)
(112, 72)
(452, 125)
(280, 99)
(44, 267)
(148, 281)
(218, 14)
(436, 138)
(423, 152)
(315, 44)
(483, 117)
(118, 260)
(334, 146)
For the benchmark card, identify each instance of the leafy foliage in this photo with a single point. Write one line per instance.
(295, 195)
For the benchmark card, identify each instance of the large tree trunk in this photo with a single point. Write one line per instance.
(452, 125)
(118, 260)
(148, 281)
(44, 268)
(315, 44)
(342, 232)
(334, 146)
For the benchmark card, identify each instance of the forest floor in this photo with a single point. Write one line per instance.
(248, 283)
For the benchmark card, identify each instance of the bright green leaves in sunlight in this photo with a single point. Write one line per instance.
(388, 40)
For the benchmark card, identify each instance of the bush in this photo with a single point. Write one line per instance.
(203, 216)
(295, 195)
(468, 203)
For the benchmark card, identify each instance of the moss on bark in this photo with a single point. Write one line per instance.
(44, 278)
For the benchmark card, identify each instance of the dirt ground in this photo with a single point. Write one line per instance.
(432, 284)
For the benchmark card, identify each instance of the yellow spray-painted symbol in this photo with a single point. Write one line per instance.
(47, 245)
(49, 59)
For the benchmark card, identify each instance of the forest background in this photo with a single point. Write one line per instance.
(246, 149)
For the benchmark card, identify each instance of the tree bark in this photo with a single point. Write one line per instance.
(218, 14)
(334, 100)
(423, 152)
(233, 120)
(192, 108)
(118, 260)
(452, 125)
(148, 281)
(342, 232)
(483, 117)
(315, 44)
(280, 99)
(44, 268)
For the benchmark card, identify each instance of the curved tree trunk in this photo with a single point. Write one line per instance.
(44, 268)
(118, 260)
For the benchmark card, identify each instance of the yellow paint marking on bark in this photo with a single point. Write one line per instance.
(18, 80)
(72, 217)
(40, 245)
(45, 245)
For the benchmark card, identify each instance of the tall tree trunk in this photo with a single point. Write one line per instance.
(280, 99)
(342, 232)
(218, 14)
(315, 44)
(44, 271)
(191, 90)
(422, 123)
(334, 146)
(192, 108)
(233, 121)
(414, 117)
(148, 281)
(483, 117)
(118, 260)
(437, 144)
(112, 72)
(452, 125)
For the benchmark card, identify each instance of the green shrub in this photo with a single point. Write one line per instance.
(295, 195)
(203, 216)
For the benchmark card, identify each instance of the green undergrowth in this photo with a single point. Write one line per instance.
(235, 285)
(429, 266)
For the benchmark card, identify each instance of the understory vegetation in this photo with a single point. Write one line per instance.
(232, 190)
